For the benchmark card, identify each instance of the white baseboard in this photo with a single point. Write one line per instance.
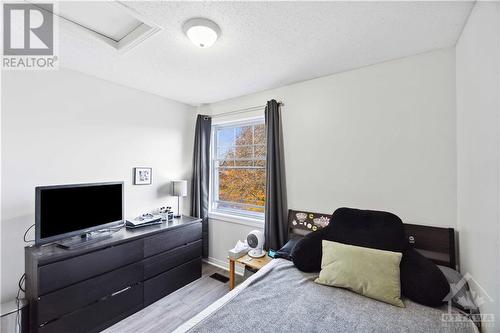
(223, 264)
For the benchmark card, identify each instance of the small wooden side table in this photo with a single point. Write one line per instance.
(246, 261)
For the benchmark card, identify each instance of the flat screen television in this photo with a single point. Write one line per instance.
(65, 211)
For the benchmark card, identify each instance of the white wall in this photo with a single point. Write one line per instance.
(478, 150)
(380, 137)
(65, 127)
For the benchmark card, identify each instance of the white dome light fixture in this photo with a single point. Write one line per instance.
(201, 31)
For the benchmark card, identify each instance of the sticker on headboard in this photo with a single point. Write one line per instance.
(307, 220)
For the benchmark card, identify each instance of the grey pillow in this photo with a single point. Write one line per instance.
(459, 289)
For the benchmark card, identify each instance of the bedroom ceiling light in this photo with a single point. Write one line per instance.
(202, 32)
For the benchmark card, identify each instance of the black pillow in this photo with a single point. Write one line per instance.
(286, 250)
(421, 280)
(367, 228)
(306, 254)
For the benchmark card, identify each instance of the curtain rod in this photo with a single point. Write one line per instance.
(253, 108)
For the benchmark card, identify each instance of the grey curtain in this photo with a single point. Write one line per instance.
(201, 174)
(276, 226)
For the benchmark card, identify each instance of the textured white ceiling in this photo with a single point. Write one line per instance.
(263, 44)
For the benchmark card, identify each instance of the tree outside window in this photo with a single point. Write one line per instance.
(238, 165)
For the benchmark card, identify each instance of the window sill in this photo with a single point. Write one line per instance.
(248, 221)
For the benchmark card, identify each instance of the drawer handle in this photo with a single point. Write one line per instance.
(120, 291)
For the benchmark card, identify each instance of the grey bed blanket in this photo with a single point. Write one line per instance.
(283, 299)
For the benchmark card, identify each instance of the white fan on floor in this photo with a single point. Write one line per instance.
(255, 240)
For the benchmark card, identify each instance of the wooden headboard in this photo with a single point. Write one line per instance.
(435, 243)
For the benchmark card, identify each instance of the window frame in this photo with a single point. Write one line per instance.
(230, 215)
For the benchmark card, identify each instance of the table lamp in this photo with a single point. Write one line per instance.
(179, 189)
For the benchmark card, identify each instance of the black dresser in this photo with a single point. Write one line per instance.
(93, 287)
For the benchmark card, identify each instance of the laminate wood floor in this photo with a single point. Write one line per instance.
(173, 310)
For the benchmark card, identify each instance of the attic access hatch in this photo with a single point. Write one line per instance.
(110, 21)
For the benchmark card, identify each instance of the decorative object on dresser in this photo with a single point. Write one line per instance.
(143, 176)
(95, 286)
(143, 220)
(166, 213)
(179, 189)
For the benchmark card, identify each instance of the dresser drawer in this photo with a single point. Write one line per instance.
(100, 315)
(165, 283)
(166, 260)
(66, 272)
(172, 239)
(66, 300)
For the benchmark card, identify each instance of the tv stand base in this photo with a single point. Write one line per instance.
(84, 240)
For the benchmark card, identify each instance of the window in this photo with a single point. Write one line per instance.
(239, 169)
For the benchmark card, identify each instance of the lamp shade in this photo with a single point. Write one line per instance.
(179, 188)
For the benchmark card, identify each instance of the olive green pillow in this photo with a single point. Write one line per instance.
(369, 272)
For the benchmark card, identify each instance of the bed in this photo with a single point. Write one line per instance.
(280, 298)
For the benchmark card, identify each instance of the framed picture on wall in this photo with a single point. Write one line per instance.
(143, 176)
